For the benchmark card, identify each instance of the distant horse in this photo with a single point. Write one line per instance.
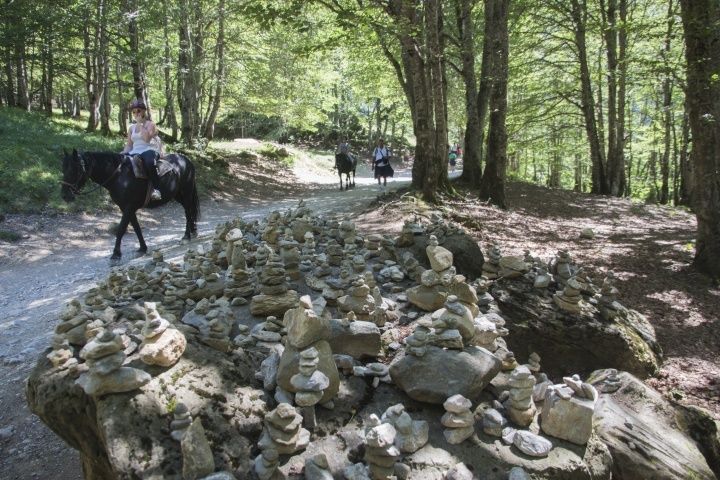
(346, 164)
(112, 171)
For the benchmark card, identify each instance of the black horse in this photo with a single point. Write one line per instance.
(113, 172)
(346, 164)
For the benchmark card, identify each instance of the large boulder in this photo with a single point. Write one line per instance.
(440, 373)
(358, 339)
(125, 435)
(646, 434)
(574, 343)
(467, 256)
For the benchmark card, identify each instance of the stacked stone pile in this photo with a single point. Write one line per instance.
(520, 405)
(458, 419)
(568, 409)
(381, 454)
(104, 356)
(290, 255)
(162, 344)
(275, 296)
(491, 267)
(283, 432)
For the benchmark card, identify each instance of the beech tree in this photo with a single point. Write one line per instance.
(701, 20)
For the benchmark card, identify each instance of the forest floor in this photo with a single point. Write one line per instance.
(648, 247)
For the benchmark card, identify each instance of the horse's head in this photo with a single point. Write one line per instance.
(75, 174)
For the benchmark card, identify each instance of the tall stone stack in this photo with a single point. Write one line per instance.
(104, 356)
(262, 254)
(290, 255)
(309, 384)
(458, 419)
(569, 299)
(282, 431)
(607, 304)
(373, 244)
(275, 297)
(358, 300)
(491, 267)
(431, 294)
(162, 343)
(561, 267)
(347, 232)
(271, 231)
(72, 323)
(335, 253)
(306, 330)
(233, 240)
(520, 406)
(239, 280)
(453, 324)
(381, 454)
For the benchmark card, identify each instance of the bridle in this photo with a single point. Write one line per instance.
(86, 171)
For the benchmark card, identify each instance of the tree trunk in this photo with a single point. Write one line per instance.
(686, 173)
(90, 77)
(122, 113)
(23, 95)
(103, 68)
(136, 63)
(187, 88)
(610, 29)
(472, 170)
(492, 186)
(702, 37)
(220, 74)
(667, 87)
(486, 69)
(579, 14)
(619, 179)
(169, 93)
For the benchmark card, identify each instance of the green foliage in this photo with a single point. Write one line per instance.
(9, 236)
(31, 161)
(278, 154)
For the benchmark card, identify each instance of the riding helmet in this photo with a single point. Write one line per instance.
(137, 103)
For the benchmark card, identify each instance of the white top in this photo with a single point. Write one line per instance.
(380, 152)
(139, 145)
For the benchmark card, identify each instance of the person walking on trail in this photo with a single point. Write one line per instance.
(381, 164)
(143, 141)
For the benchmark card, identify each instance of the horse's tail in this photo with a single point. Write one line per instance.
(194, 200)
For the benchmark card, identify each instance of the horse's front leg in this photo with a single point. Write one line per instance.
(122, 228)
(136, 226)
(340, 175)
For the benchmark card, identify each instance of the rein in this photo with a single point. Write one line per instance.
(74, 187)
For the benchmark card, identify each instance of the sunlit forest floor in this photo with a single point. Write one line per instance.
(649, 247)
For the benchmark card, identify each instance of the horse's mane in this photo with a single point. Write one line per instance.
(105, 157)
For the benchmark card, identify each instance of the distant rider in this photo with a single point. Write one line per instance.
(142, 141)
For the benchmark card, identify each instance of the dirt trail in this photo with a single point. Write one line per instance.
(62, 256)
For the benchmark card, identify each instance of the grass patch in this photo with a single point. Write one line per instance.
(277, 154)
(31, 161)
(9, 236)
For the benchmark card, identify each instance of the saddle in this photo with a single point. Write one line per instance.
(138, 167)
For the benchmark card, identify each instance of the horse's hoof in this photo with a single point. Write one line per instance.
(185, 240)
(142, 251)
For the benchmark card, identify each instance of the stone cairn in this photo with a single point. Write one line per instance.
(220, 319)
(309, 384)
(561, 267)
(62, 354)
(381, 454)
(379, 372)
(239, 280)
(305, 330)
(275, 296)
(493, 422)
(334, 252)
(307, 252)
(373, 243)
(488, 334)
(162, 343)
(569, 298)
(266, 465)
(607, 304)
(181, 422)
(290, 255)
(72, 323)
(453, 325)
(271, 231)
(198, 460)
(568, 409)
(412, 435)
(416, 343)
(104, 356)
(491, 266)
(347, 233)
(359, 300)
(283, 431)
(512, 267)
(458, 419)
(520, 406)
(431, 294)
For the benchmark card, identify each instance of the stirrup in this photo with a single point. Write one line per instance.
(155, 195)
